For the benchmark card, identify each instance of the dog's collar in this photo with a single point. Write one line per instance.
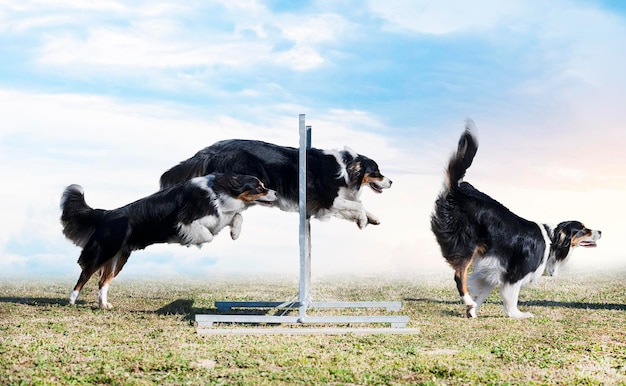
(210, 179)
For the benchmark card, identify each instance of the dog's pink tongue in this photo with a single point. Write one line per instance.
(376, 188)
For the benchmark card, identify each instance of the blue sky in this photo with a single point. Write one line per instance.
(110, 94)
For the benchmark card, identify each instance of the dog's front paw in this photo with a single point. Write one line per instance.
(235, 226)
(522, 315)
(470, 311)
(105, 306)
(373, 220)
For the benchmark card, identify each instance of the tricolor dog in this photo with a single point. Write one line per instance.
(334, 178)
(191, 213)
(507, 250)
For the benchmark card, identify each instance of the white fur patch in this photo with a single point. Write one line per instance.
(510, 296)
(488, 269)
(347, 207)
(203, 183)
(385, 183)
(226, 204)
(204, 229)
(546, 254)
(467, 300)
(102, 297)
(198, 232)
(343, 172)
(235, 226)
(74, 296)
(489, 273)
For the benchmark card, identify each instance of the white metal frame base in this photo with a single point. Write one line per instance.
(397, 322)
(307, 331)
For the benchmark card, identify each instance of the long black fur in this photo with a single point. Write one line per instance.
(107, 237)
(277, 167)
(470, 226)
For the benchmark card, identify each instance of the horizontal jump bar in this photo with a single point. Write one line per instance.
(390, 306)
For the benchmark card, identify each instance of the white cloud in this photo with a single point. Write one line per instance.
(300, 58)
(146, 48)
(312, 28)
(156, 39)
(436, 17)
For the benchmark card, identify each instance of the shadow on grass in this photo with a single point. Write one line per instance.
(433, 301)
(442, 312)
(539, 303)
(574, 305)
(30, 301)
(185, 307)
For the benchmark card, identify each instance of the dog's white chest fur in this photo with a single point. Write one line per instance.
(205, 228)
(199, 231)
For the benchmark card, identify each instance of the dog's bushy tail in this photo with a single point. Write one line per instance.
(79, 220)
(462, 159)
(196, 166)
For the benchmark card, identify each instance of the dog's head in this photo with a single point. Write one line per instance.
(565, 237)
(246, 188)
(364, 171)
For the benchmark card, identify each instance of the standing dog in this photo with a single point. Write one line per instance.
(507, 250)
(334, 178)
(191, 213)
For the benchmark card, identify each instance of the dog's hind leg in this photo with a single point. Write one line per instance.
(460, 277)
(510, 295)
(108, 271)
(88, 264)
(480, 287)
(84, 277)
(461, 267)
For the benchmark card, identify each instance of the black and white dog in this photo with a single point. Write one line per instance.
(507, 250)
(334, 178)
(191, 213)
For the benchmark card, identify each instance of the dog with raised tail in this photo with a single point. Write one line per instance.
(191, 213)
(506, 250)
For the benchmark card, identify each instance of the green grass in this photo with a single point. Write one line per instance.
(578, 335)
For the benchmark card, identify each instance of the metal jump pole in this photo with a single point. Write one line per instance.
(397, 322)
(305, 222)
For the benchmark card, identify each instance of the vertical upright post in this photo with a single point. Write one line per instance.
(305, 228)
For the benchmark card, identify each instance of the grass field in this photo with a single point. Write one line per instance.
(578, 335)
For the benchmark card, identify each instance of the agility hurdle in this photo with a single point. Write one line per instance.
(397, 323)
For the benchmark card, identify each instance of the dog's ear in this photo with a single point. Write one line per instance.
(561, 243)
(354, 173)
(564, 233)
(561, 238)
